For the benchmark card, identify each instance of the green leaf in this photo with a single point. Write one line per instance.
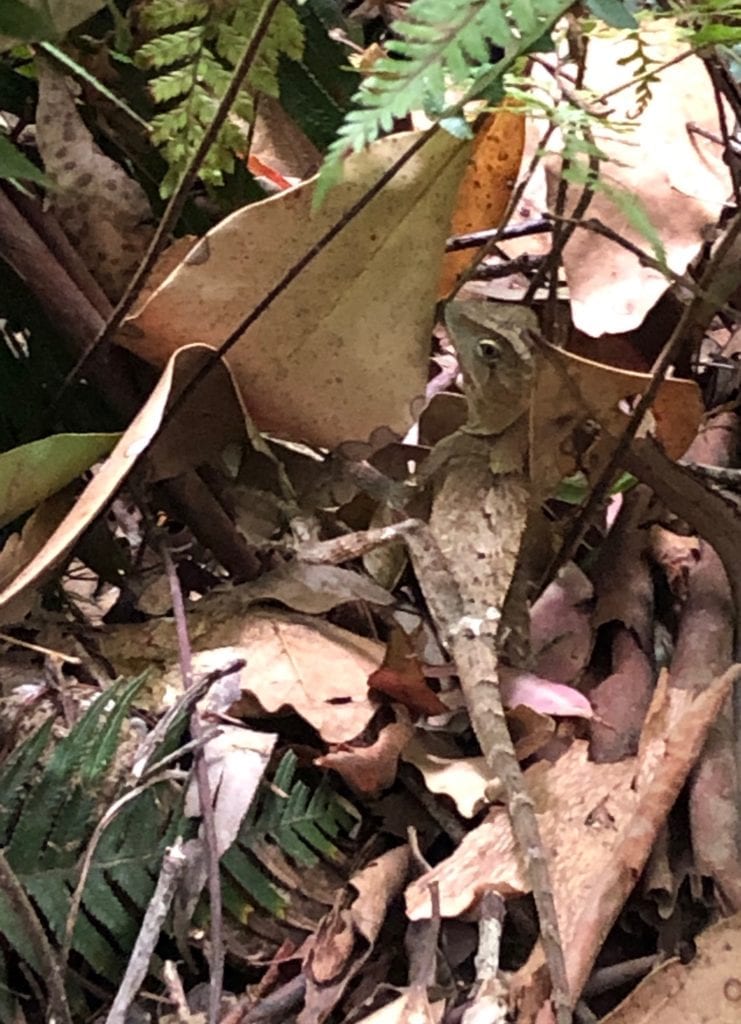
(19, 21)
(35, 471)
(16, 166)
(711, 34)
(613, 13)
(574, 489)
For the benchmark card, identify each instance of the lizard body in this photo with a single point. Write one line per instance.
(478, 521)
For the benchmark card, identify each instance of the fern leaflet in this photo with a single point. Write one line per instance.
(440, 44)
(193, 51)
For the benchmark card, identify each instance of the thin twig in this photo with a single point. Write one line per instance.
(216, 953)
(20, 904)
(474, 239)
(173, 865)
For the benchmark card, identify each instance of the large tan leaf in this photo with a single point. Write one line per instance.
(678, 176)
(343, 350)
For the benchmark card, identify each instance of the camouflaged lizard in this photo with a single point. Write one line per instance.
(477, 524)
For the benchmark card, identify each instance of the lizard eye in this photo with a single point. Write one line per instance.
(489, 350)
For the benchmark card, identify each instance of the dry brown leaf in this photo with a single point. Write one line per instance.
(313, 368)
(279, 143)
(581, 808)
(466, 780)
(345, 939)
(707, 990)
(598, 824)
(680, 177)
(486, 188)
(103, 211)
(557, 406)
(370, 769)
(293, 661)
(401, 677)
(216, 414)
(314, 589)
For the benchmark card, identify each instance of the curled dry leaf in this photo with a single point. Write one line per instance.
(370, 769)
(219, 419)
(311, 368)
(346, 938)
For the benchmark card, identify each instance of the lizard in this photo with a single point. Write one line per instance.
(468, 561)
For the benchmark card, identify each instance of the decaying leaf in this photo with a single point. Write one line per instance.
(103, 211)
(678, 176)
(311, 368)
(293, 662)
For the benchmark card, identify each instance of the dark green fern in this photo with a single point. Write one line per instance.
(290, 820)
(51, 800)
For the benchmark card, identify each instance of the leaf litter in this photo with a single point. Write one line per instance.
(312, 658)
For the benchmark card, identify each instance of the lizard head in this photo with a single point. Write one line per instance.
(496, 359)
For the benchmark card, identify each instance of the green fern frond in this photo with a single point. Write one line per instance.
(288, 820)
(195, 52)
(49, 812)
(164, 51)
(47, 816)
(440, 44)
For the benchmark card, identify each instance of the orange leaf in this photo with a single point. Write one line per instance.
(401, 677)
(486, 187)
